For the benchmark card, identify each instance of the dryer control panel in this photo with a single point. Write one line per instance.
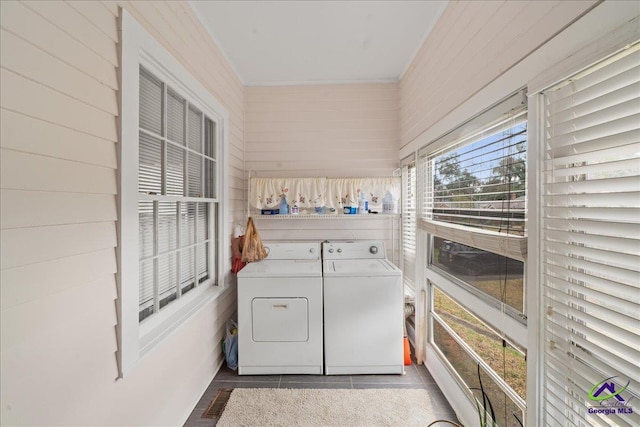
(292, 250)
(356, 249)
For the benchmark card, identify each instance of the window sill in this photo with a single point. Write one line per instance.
(508, 245)
(151, 334)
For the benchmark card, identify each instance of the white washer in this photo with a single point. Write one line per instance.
(363, 310)
(280, 311)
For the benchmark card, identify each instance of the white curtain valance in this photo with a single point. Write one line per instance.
(346, 191)
(321, 191)
(303, 192)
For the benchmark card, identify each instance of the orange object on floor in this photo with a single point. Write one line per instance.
(407, 352)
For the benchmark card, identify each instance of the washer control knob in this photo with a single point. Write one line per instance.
(339, 250)
(373, 249)
(267, 249)
(312, 250)
(331, 250)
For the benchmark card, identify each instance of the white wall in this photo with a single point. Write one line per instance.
(323, 130)
(472, 44)
(59, 105)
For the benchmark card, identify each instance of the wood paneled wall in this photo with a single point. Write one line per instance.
(472, 44)
(59, 108)
(323, 130)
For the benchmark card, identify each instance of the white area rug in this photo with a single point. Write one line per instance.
(327, 407)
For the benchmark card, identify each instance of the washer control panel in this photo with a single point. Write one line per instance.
(292, 250)
(355, 249)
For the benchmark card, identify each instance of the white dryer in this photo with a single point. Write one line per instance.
(363, 309)
(280, 311)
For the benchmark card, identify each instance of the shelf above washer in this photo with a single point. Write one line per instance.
(325, 216)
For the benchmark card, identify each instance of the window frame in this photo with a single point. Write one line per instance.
(515, 328)
(135, 339)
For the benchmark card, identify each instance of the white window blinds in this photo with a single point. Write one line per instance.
(409, 220)
(591, 245)
(473, 181)
(176, 190)
(481, 181)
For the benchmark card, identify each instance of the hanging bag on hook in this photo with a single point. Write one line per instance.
(252, 250)
(236, 244)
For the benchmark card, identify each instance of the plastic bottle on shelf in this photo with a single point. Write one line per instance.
(363, 204)
(284, 207)
(389, 204)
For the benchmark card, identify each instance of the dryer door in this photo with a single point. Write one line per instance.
(280, 319)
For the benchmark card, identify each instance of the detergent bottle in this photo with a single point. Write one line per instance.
(363, 204)
(284, 207)
(389, 204)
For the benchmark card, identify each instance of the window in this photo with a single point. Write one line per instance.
(494, 276)
(409, 204)
(476, 352)
(176, 195)
(171, 190)
(589, 244)
(482, 183)
(473, 214)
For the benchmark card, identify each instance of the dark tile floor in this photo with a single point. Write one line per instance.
(416, 376)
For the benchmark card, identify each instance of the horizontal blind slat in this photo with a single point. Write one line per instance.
(194, 179)
(603, 81)
(616, 274)
(167, 275)
(576, 111)
(625, 140)
(626, 183)
(601, 166)
(603, 364)
(150, 101)
(195, 129)
(595, 291)
(618, 126)
(628, 199)
(581, 306)
(175, 117)
(621, 244)
(567, 355)
(594, 227)
(175, 170)
(629, 146)
(604, 115)
(615, 290)
(599, 257)
(612, 214)
(149, 165)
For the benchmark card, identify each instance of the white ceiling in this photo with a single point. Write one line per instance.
(294, 42)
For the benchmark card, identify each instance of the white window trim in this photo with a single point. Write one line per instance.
(502, 319)
(137, 48)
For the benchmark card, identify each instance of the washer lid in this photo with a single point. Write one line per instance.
(360, 267)
(282, 268)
